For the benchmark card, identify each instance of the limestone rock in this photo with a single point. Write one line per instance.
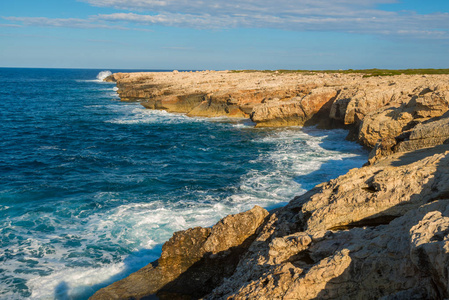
(382, 107)
(377, 193)
(178, 254)
(381, 231)
(383, 124)
(391, 121)
(355, 101)
(278, 112)
(430, 248)
(425, 135)
(296, 111)
(190, 259)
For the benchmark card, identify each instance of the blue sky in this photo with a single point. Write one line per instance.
(225, 34)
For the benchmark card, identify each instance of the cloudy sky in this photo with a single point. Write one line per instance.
(232, 34)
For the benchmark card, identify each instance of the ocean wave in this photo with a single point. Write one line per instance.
(103, 74)
(119, 238)
(139, 226)
(147, 116)
(99, 78)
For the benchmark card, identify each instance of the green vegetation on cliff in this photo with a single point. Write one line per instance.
(366, 72)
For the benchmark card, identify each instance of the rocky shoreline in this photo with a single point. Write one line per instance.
(381, 231)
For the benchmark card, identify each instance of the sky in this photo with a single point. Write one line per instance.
(224, 34)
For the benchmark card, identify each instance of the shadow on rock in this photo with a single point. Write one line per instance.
(398, 253)
(193, 261)
(133, 262)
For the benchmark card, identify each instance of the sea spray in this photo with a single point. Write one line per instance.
(103, 74)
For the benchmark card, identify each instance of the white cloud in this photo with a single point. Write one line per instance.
(305, 7)
(351, 16)
(70, 22)
(10, 25)
(380, 23)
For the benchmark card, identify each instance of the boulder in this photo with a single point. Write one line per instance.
(192, 262)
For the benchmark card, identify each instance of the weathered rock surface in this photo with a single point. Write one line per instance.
(192, 262)
(390, 121)
(425, 135)
(430, 133)
(356, 237)
(296, 111)
(378, 232)
(377, 109)
(212, 94)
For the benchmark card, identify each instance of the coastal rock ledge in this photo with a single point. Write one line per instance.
(377, 232)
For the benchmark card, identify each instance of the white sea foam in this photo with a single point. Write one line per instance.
(103, 74)
(141, 227)
(99, 78)
(297, 154)
(71, 285)
(146, 116)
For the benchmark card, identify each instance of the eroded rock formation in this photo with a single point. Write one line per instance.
(377, 232)
(193, 261)
(356, 237)
(375, 108)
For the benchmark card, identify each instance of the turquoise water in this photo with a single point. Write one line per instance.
(91, 187)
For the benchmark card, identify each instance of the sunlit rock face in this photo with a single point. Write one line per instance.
(375, 108)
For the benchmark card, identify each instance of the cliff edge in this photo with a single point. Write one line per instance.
(380, 231)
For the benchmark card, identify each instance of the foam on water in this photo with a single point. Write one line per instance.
(291, 162)
(99, 79)
(140, 227)
(141, 115)
(103, 74)
(101, 208)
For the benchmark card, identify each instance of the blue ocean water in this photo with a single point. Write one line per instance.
(91, 187)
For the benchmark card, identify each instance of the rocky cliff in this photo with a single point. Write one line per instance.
(381, 231)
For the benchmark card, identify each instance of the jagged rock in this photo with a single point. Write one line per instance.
(382, 149)
(425, 135)
(384, 124)
(274, 113)
(295, 111)
(318, 248)
(430, 248)
(192, 261)
(381, 107)
(207, 94)
(109, 78)
(376, 193)
(391, 121)
(355, 101)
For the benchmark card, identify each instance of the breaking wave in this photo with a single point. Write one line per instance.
(103, 74)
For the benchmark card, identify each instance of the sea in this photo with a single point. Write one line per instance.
(91, 187)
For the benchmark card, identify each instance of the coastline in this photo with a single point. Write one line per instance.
(333, 241)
